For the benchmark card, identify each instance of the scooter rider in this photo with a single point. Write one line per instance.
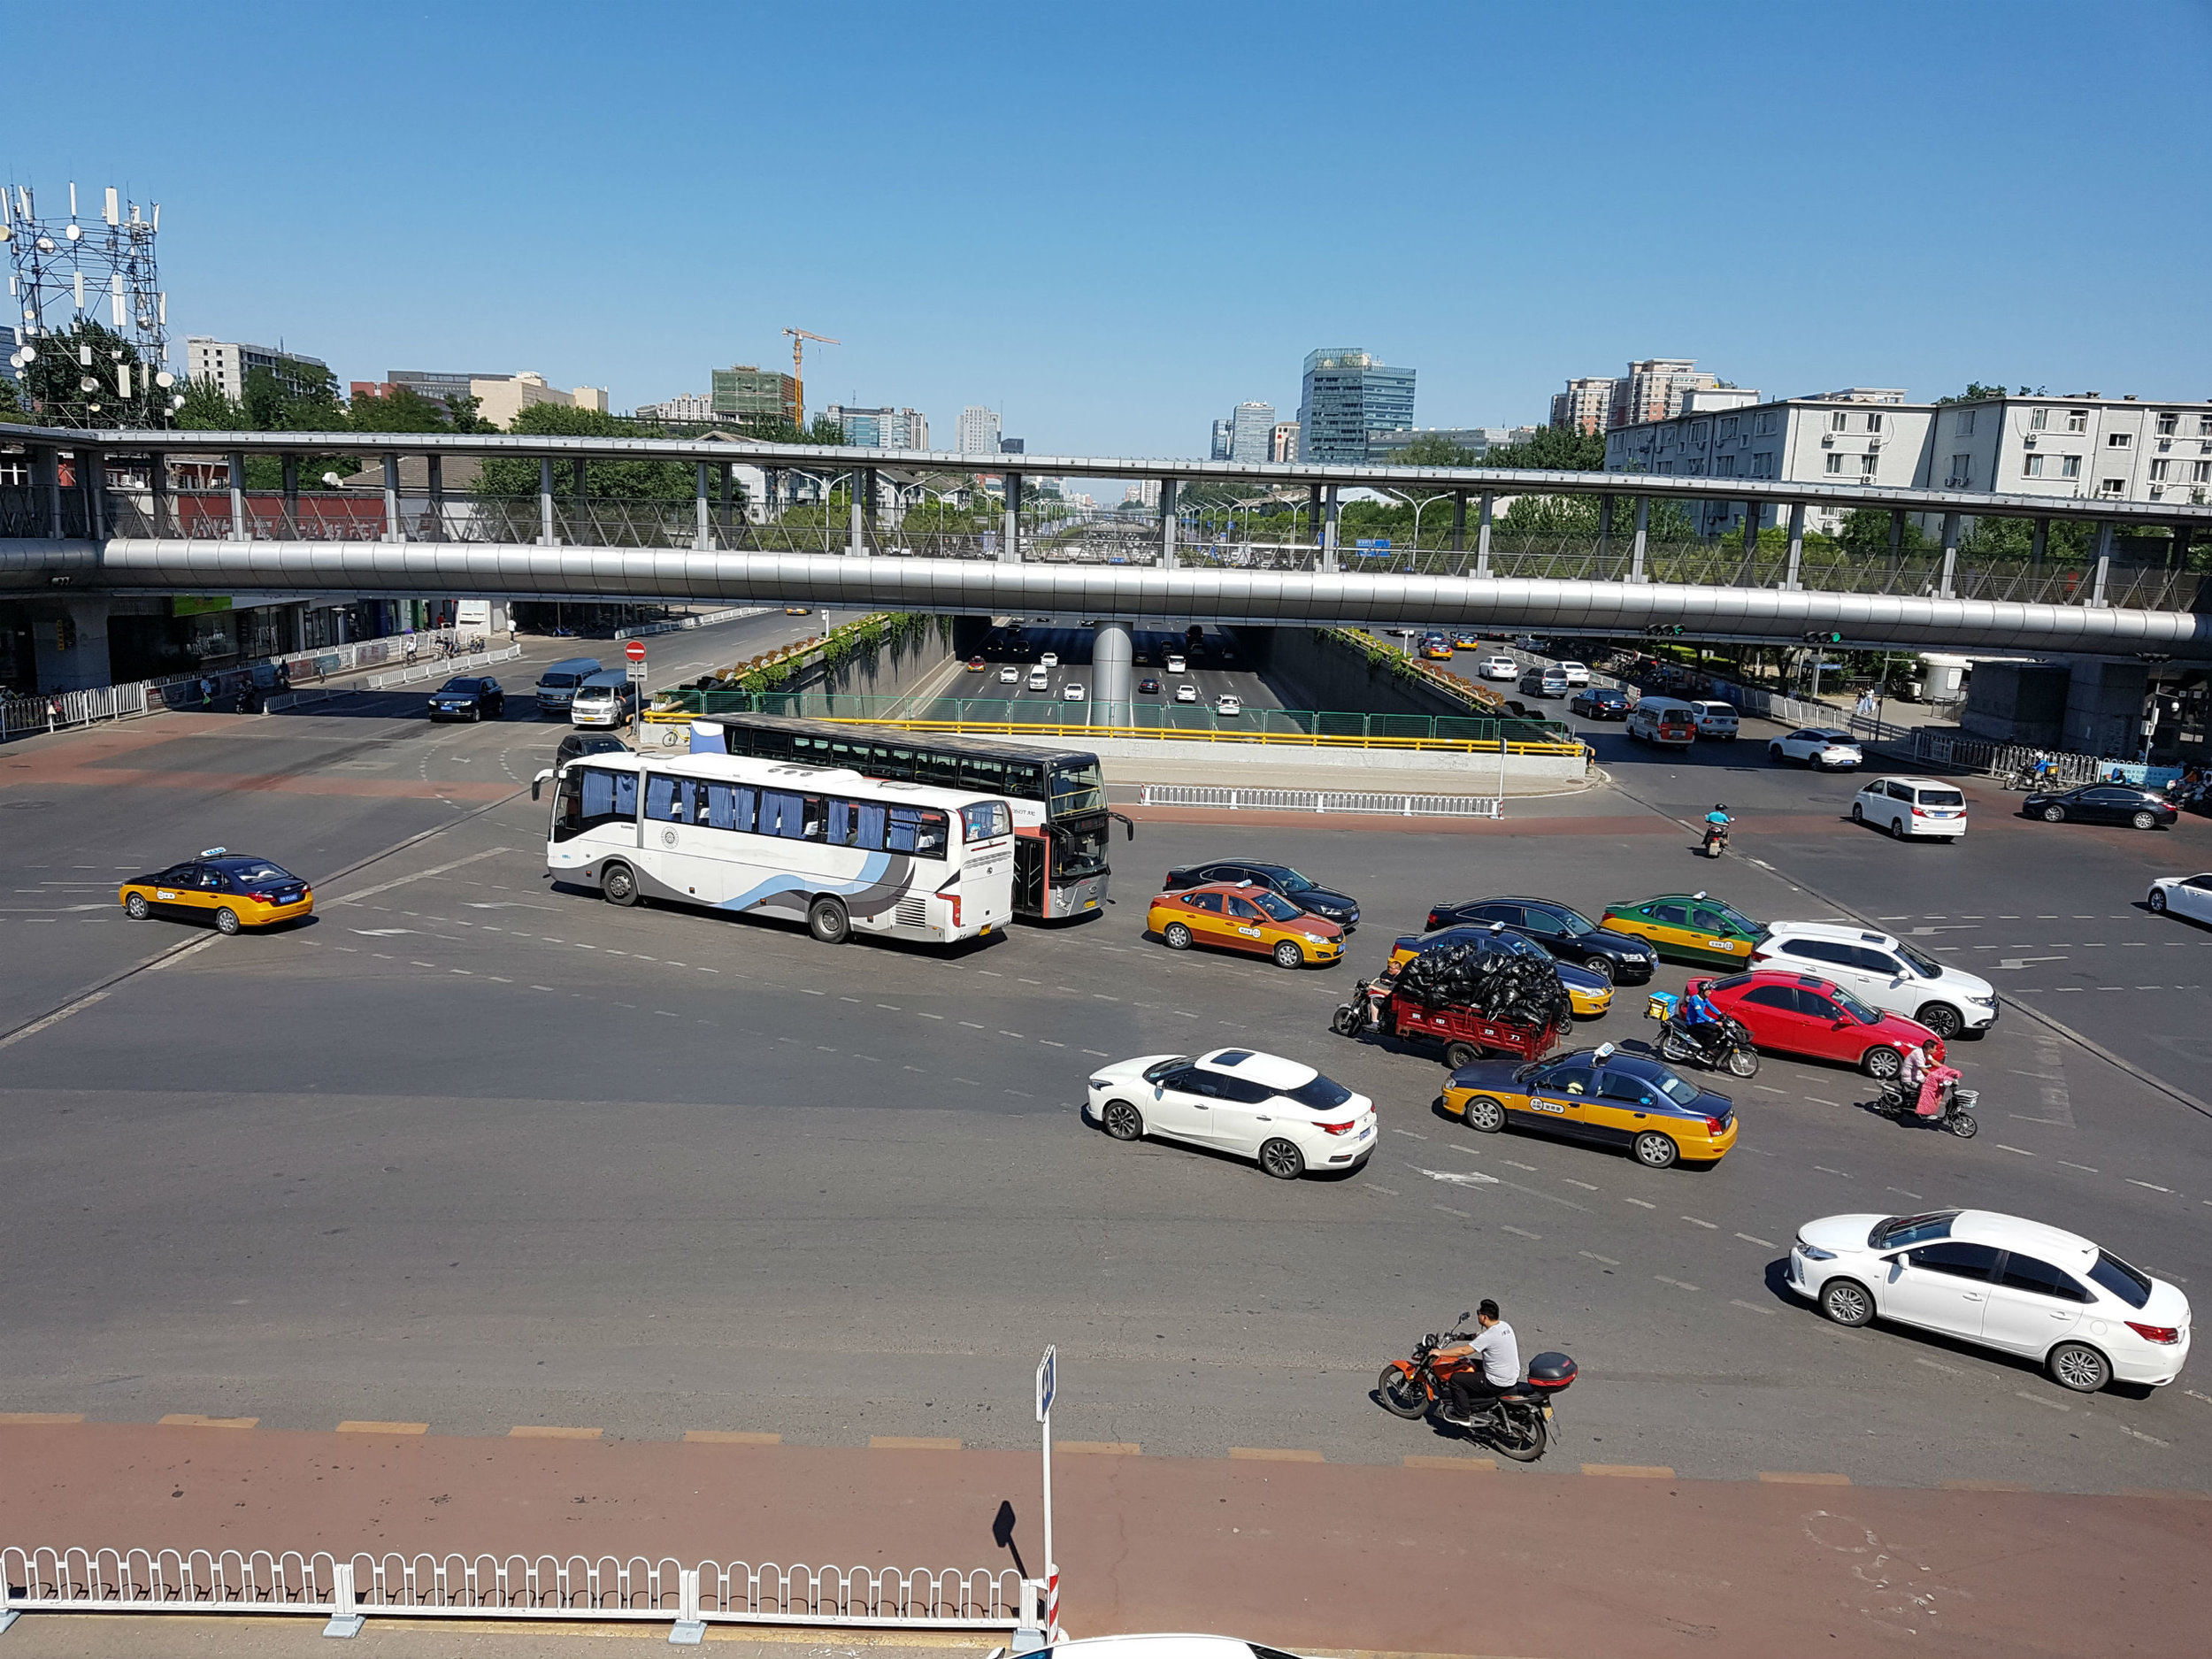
(1717, 823)
(1496, 1353)
(1699, 1020)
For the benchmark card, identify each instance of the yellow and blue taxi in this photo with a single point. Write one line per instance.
(1600, 1095)
(229, 889)
(1589, 993)
(1689, 927)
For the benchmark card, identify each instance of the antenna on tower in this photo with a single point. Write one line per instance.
(58, 271)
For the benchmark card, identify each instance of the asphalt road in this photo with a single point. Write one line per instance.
(474, 1151)
(975, 696)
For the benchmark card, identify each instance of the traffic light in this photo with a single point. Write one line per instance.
(1818, 638)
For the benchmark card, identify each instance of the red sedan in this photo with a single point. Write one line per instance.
(1798, 1013)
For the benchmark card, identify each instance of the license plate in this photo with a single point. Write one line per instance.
(1547, 1413)
(1365, 1133)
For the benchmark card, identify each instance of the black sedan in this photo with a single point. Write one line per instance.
(1602, 702)
(467, 699)
(1568, 934)
(576, 745)
(1306, 894)
(1148, 687)
(2103, 803)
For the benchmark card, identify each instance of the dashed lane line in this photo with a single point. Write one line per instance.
(1594, 1256)
(1711, 1226)
(1752, 1307)
(1765, 1244)
(1677, 1283)
(2017, 1151)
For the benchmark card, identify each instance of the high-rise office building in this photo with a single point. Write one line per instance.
(1282, 443)
(1347, 394)
(1250, 429)
(10, 341)
(882, 429)
(1224, 435)
(1011, 446)
(978, 430)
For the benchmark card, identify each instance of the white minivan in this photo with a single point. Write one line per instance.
(1884, 970)
(1040, 679)
(1907, 807)
(607, 699)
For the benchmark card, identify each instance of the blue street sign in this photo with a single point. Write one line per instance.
(1046, 1383)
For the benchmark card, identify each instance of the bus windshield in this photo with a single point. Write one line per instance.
(1078, 849)
(1077, 786)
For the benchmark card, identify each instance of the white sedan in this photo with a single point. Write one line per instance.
(1073, 692)
(1285, 1116)
(2183, 896)
(1050, 659)
(1229, 702)
(1577, 673)
(1186, 693)
(1822, 747)
(1498, 668)
(2081, 1312)
(1010, 675)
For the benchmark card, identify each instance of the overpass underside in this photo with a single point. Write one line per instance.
(1711, 608)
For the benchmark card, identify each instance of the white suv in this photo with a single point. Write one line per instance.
(2019, 1286)
(1907, 807)
(1884, 970)
(1716, 720)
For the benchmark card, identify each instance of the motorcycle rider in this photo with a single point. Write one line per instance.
(1717, 823)
(1496, 1354)
(1701, 1022)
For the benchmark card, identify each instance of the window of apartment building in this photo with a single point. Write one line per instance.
(1728, 429)
(1874, 420)
(1835, 462)
(1724, 466)
(14, 474)
(2158, 470)
(2200, 472)
(1698, 433)
(1961, 473)
(2119, 439)
(2034, 466)
(1839, 421)
(2204, 426)
(1763, 466)
(2168, 425)
(2069, 466)
(2111, 485)
(1867, 464)
(1966, 423)
(2077, 421)
(2039, 419)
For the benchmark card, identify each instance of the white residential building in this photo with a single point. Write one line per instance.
(1282, 441)
(978, 430)
(224, 364)
(695, 407)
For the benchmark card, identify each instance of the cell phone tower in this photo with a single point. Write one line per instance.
(62, 271)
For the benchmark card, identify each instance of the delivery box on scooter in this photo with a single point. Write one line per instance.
(1554, 1372)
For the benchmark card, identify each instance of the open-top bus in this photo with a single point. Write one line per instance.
(1061, 820)
(845, 852)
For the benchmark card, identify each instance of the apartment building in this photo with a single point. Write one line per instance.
(500, 399)
(1222, 440)
(2089, 448)
(885, 428)
(224, 364)
(687, 408)
(1653, 388)
(978, 430)
(1585, 406)
(1282, 441)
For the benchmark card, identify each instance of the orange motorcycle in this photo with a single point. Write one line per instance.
(1515, 1424)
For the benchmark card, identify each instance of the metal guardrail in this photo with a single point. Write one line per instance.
(582, 1589)
(646, 630)
(1322, 801)
(2002, 760)
(22, 715)
(436, 666)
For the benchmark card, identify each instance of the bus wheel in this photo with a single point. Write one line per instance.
(826, 920)
(618, 883)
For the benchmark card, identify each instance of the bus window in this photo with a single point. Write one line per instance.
(1024, 780)
(986, 820)
(568, 807)
(729, 807)
(918, 830)
(783, 814)
(983, 772)
(845, 824)
(609, 797)
(668, 799)
(1077, 786)
(936, 765)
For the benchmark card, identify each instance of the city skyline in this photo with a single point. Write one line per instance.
(1498, 318)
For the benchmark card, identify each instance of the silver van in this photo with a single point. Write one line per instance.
(607, 699)
(557, 685)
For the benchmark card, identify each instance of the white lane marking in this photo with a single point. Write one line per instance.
(941, 1017)
(2139, 1435)
(1711, 1226)
(1818, 1101)
(1387, 1192)
(892, 1007)
(1749, 1238)
(1594, 1256)
(2038, 1400)
(1825, 1170)
(1678, 1284)
(2153, 1186)
(1900, 1190)
(1763, 1090)
(189, 951)
(1584, 1186)
(1952, 1371)
(1523, 1233)
(1641, 1204)
(1530, 1168)
(59, 1015)
(381, 933)
(1734, 1301)
(1461, 1178)
(1408, 1134)
(435, 870)
(2084, 1168)
(1449, 1210)
(2020, 1151)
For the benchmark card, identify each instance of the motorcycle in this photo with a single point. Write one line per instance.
(1517, 1424)
(1715, 840)
(1728, 1049)
(1901, 1104)
(1364, 1009)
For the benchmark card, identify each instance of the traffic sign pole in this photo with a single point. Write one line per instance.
(1048, 1385)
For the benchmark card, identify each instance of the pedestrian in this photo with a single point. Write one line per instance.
(207, 692)
(1866, 702)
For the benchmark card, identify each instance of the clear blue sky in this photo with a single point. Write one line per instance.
(1116, 223)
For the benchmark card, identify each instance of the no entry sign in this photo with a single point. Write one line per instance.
(635, 650)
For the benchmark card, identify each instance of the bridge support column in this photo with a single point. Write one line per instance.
(237, 496)
(1167, 524)
(158, 480)
(855, 486)
(1459, 521)
(1605, 525)
(1329, 532)
(703, 533)
(1482, 537)
(771, 480)
(435, 463)
(546, 538)
(1643, 530)
(1112, 654)
(392, 532)
(1950, 554)
(2104, 564)
(292, 495)
(1010, 548)
(1790, 584)
(92, 475)
(1313, 512)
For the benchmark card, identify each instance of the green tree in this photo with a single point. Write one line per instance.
(11, 405)
(208, 408)
(403, 409)
(1554, 448)
(513, 476)
(1433, 449)
(1976, 393)
(1866, 530)
(822, 430)
(53, 383)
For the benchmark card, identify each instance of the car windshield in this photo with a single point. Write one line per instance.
(256, 870)
(1321, 1094)
(1941, 797)
(1901, 1232)
(1735, 918)
(1675, 1088)
(1920, 965)
(2127, 1283)
(1277, 907)
(1836, 737)
(1290, 879)
(1154, 1072)
(1852, 1006)
(459, 685)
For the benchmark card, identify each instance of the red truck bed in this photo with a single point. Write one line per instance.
(1457, 1027)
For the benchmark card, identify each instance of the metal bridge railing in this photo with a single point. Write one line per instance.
(1322, 801)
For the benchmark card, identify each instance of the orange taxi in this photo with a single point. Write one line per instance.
(229, 889)
(1242, 916)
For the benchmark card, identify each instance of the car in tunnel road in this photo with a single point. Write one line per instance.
(1229, 704)
(1187, 693)
(1073, 692)
(1010, 675)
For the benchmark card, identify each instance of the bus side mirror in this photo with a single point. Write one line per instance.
(1127, 823)
(538, 783)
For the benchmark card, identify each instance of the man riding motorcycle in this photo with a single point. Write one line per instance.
(1717, 823)
(1701, 1022)
(1497, 1354)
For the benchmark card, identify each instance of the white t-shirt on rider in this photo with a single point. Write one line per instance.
(1499, 1352)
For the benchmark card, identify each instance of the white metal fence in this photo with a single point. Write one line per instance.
(2002, 760)
(1321, 800)
(22, 715)
(634, 1589)
(645, 629)
(438, 667)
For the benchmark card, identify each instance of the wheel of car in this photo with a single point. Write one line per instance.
(1175, 936)
(1858, 813)
(226, 920)
(1288, 955)
(1401, 1395)
(1743, 1063)
(1847, 1301)
(2078, 1366)
(826, 920)
(1774, 751)
(1897, 828)
(1600, 966)
(1881, 1063)
(1942, 1018)
(1459, 1054)
(1655, 1151)
(2145, 820)
(1123, 1121)
(137, 908)
(1282, 1160)
(2157, 902)
(2053, 815)
(617, 883)
(1484, 1115)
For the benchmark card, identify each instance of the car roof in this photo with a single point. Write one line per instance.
(2053, 1245)
(1271, 1070)
(1904, 777)
(1674, 898)
(1634, 1064)
(232, 860)
(1845, 931)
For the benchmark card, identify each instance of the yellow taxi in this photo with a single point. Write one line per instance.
(1690, 927)
(1589, 994)
(1243, 915)
(1602, 1096)
(229, 889)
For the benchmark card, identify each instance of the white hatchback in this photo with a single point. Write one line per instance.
(2083, 1313)
(1883, 970)
(1229, 703)
(1822, 747)
(1285, 1116)
(1907, 807)
(1010, 675)
(1498, 668)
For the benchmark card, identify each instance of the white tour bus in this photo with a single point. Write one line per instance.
(729, 832)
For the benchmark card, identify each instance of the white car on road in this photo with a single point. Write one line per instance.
(1073, 692)
(1907, 807)
(1187, 693)
(1883, 970)
(1822, 747)
(2183, 896)
(1498, 668)
(1285, 1116)
(1050, 659)
(1577, 673)
(2083, 1313)
(1010, 675)
(1228, 702)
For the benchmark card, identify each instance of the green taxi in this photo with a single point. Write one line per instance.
(1689, 927)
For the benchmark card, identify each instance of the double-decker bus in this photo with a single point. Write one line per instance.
(848, 853)
(1061, 820)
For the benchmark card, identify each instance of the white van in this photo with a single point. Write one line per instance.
(1667, 721)
(1716, 720)
(1040, 679)
(605, 699)
(1908, 807)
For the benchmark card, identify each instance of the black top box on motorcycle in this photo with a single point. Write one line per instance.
(1551, 1371)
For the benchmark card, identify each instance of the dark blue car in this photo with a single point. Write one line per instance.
(467, 699)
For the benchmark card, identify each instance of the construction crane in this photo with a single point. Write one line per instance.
(799, 337)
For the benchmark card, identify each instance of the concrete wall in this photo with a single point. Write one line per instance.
(1306, 672)
(2017, 703)
(2104, 707)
